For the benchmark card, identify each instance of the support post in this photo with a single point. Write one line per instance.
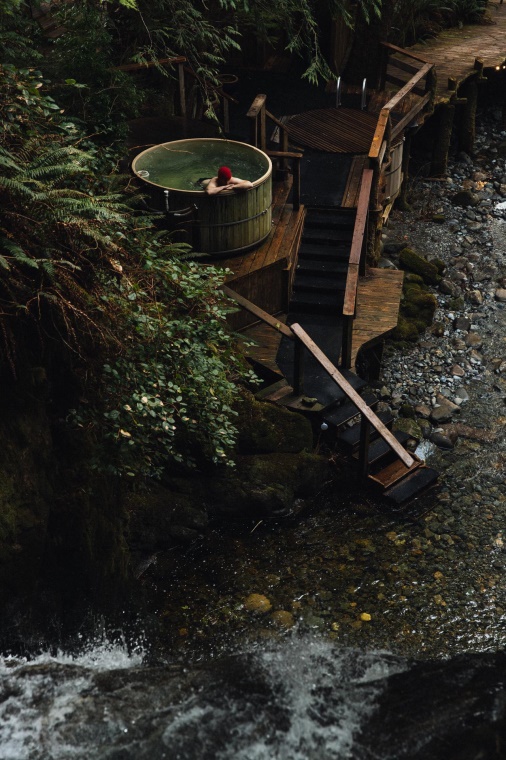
(439, 161)
(298, 367)
(402, 199)
(182, 91)
(346, 342)
(467, 132)
(363, 450)
(263, 137)
(296, 184)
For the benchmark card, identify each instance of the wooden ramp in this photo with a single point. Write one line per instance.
(378, 298)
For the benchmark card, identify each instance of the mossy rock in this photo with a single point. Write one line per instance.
(439, 264)
(405, 331)
(409, 426)
(266, 485)
(414, 262)
(411, 277)
(266, 428)
(420, 306)
(457, 304)
(407, 410)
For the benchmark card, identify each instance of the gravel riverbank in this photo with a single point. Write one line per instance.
(429, 581)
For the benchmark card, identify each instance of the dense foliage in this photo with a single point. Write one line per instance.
(87, 279)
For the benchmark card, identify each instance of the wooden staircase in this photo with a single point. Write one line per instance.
(320, 276)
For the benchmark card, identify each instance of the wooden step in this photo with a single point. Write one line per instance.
(324, 252)
(327, 266)
(326, 236)
(341, 219)
(340, 415)
(412, 485)
(393, 473)
(379, 449)
(349, 439)
(320, 303)
(319, 284)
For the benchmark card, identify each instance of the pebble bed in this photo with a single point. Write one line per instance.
(429, 580)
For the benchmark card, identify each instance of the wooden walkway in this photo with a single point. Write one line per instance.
(454, 50)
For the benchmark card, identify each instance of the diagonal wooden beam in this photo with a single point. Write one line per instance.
(352, 394)
(258, 312)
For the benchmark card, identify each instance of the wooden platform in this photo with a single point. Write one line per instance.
(379, 294)
(334, 130)
(264, 275)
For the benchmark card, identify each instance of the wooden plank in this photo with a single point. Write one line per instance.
(377, 307)
(352, 394)
(352, 189)
(397, 63)
(408, 87)
(357, 243)
(394, 472)
(379, 133)
(256, 106)
(350, 294)
(258, 312)
(408, 53)
(392, 79)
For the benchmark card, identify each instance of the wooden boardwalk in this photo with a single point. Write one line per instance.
(454, 51)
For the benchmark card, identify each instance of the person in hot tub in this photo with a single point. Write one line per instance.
(225, 183)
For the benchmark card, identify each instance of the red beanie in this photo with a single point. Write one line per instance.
(224, 174)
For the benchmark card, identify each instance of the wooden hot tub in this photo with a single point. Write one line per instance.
(220, 224)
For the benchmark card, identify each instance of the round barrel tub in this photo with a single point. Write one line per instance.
(219, 224)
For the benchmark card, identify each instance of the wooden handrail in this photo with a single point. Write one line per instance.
(404, 52)
(379, 133)
(397, 128)
(284, 154)
(408, 86)
(353, 396)
(258, 312)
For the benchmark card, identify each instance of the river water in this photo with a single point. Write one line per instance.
(299, 699)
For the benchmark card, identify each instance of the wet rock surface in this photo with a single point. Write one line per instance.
(429, 580)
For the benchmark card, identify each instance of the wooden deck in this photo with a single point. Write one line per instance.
(378, 299)
(454, 50)
(264, 275)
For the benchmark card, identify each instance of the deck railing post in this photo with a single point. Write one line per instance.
(263, 137)
(253, 132)
(298, 367)
(363, 450)
(346, 342)
(182, 92)
(296, 184)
